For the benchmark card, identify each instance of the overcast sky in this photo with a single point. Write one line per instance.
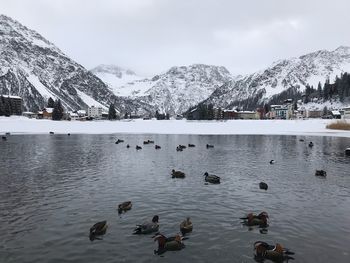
(150, 36)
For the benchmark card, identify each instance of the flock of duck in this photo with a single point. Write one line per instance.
(262, 250)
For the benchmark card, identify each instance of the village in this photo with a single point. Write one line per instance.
(13, 105)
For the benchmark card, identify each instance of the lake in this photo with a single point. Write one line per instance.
(55, 187)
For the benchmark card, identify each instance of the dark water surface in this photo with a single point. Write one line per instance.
(53, 188)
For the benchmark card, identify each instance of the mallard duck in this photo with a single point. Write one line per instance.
(186, 226)
(256, 220)
(321, 173)
(210, 146)
(211, 178)
(157, 147)
(98, 229)
(191, 145)
(138, 147)
(272, 161)
(168, 243)
(177, 174)
(147, 227)
(275, 253)
(119, 141)
(311, 144)
(263, 186)
(123, 207)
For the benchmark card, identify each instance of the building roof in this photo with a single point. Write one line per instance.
(48, 110)
(11, 97)
(335, 112)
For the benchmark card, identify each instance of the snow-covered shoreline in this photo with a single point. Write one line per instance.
(315, 127)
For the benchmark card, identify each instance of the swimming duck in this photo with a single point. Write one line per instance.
(321, 173)
(311, 144)
(182, 146)
(4, 138)
(210, 146)
(191, 145)
(127, 146)
(145, 142)
(186, 226)
(256, 220)
(272, 161)
(68, 134)
(168, 243)
(119, 141)
(123, 207)
(211, 178)
(157, 147)
(147, 228)
(263, 186)
(52, 133)
(98, 229)
(276, 253)
(138, 147)
(177, 174)
(149, 141)
(179, 149)
(347, 151)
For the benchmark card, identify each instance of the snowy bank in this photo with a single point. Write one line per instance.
(22, 125)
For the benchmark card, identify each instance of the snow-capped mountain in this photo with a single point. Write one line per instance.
(33, 68)
(179, 88)
(115, 77)
(257, 88)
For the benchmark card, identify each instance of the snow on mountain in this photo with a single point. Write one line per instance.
(33, 68)
(179, 88)
(116, 77)
(259, 87)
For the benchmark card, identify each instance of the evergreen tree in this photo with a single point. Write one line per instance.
(125, 115)
(50, 103)
(325, 111)
(112, 114)
(319, 90)
(57, 113)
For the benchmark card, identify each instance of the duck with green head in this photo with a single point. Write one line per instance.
(147, 227)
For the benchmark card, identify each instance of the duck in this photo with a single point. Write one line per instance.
(321, 173)
(145, 142)
(186, 226)
(157, 147)
(347, 151)
(173, 243)
(149, 141)
(125, 206)
(311, 144)
(210, 146)
(263, 186)
(272, 161)
(119, 141)
(177, 174)
(148, 227)
(98, 229)
(211, 178)
(4, 138)
(7, 133)
(68, 134)
(275, 253)
(301, 140)
(127, 146)
(191, 145)
(256, 220)
(179, 149)
(138, 147)
(51, 132)
(182, 146)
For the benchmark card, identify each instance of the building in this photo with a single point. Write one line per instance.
(11, 105)
(314, 113)
(230, 114)
(335, 114)
(346, 113)
(95, 112)
(248, 115)
(45, 113)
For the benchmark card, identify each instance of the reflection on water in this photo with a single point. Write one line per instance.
(54, 188)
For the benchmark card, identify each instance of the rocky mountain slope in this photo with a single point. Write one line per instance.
(33, 68)
(290, 75)
(177, 89)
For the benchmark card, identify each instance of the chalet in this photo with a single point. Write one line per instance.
(346, 113)
(45, 113)
(335, 114)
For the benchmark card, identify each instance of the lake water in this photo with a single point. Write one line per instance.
(55, 187)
